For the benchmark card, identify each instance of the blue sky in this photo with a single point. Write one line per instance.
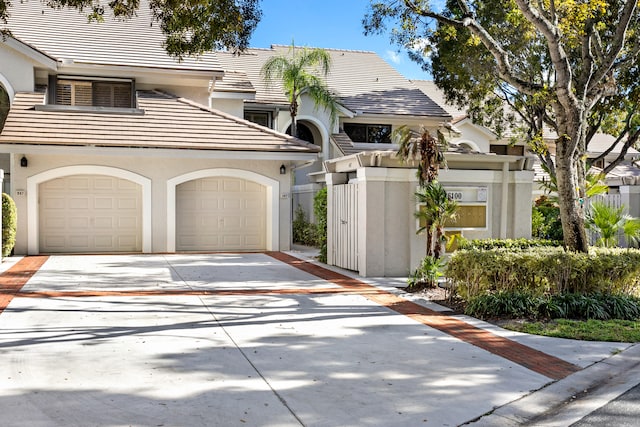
(328, 24)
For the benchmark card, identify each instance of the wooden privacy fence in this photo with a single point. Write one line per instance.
(345, 226)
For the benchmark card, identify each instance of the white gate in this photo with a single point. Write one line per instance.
(345, 226)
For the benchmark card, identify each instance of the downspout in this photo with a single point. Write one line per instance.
(504, 207)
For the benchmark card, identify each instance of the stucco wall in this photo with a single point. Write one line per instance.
(387, 240)
(159, 169)
(16, 69)
(235, 107)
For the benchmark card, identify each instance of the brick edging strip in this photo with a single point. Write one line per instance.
(13, 279)
(535, 360)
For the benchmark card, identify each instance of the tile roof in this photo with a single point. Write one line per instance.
(601, 142)
(167, 122)
(234, 81)
(363, 82)
(345, 143)
(66, 34)
(434, 92)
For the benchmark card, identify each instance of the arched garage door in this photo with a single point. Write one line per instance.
(220, 214)
(90, 213)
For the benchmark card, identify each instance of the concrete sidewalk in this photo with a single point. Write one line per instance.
(244, 339)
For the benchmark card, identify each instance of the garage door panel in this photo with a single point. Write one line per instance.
(79, 242)
(207, 185)
(90, 213)
(103, 242)
(231, 204)
(104, 184)
(221, 219)
(75, 222)
(78, 183)
(253, 187)
(55, 203)
(103, 203)
(209, 205)
(232, 185)
(103, 223)
(78, 203)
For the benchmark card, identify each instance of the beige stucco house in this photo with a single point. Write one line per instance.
(110, 145)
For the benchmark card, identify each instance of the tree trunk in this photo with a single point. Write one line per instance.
(570, 197)
(293, 109)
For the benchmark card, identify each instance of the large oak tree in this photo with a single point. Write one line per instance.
(191, 27)
(561, 67)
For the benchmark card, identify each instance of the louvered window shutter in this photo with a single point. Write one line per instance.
(97, 94)
(63, 93)
(122, 96)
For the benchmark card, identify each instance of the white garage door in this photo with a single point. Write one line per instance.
(90, 213)
(220, 214)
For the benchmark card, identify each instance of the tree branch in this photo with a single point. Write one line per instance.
(505, 69)
(617, 45)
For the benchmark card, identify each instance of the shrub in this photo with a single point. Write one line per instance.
(505, 243)
(545, 270)
(570, 306)
(9, 224)
(304, 232)
(427, 274)
(545, 220)
(320, 211)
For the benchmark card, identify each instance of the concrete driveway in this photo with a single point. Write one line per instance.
(248, 340)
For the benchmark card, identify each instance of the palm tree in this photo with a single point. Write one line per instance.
(437, 209)
(608, 221)
(423, 148)
(296, 73)
(427, 151)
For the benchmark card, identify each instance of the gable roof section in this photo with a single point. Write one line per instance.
(167, 122)
(65, 34)
(437, 95)
(363, 82)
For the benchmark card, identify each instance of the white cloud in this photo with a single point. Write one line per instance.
(394, 57)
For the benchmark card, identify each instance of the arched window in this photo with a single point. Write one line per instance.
(4, 106)
(304, 132)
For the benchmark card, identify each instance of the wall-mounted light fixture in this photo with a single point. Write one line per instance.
(24, 162)
(283, 169)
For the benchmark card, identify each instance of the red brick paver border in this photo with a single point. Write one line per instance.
(535, 360)
(12, 280)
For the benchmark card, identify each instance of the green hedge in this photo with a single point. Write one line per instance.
(545, 271)
(506, 243)
(505, 304)
(320, 212)
(9, 224)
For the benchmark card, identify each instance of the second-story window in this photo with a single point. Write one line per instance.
(366, 133)
(262, 118)
(94, 93)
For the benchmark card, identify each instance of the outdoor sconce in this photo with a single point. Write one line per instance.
(24, 162)
(283, 169)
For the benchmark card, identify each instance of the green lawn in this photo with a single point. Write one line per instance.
(588, 330)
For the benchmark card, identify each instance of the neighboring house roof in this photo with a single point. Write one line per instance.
(436, 94)
(166, 122)
(65, 35)
(234, 81)
(601, 142)
(344, 143)
(363, 82)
